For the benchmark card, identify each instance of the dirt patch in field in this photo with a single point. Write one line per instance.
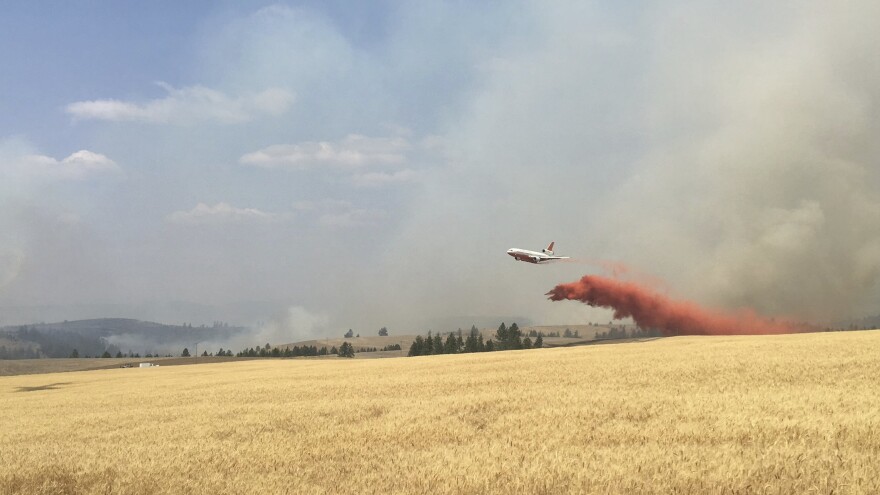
(14, 367)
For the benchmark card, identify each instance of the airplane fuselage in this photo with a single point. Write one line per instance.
(532, 256)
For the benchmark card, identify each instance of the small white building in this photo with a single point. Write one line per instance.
(146, 365)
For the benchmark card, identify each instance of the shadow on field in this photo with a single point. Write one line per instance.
(51, 386)
(603, 341)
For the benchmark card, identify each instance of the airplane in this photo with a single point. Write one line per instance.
(535, 257)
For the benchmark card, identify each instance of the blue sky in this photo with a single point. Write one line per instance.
(367, 164)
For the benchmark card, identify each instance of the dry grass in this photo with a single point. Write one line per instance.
(783, 414)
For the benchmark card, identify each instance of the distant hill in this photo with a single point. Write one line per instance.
(94, 337)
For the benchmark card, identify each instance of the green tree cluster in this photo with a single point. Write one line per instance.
(346, 350)
(455, 343)
(506, 338)
(286, 352)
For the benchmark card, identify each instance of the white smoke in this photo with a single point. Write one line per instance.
(10, 264)
(295, 324)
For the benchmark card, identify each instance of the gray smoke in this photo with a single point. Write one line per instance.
(729, 149)
(294, 324)
(762, 187)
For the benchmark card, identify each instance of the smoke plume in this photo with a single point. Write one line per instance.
(652, 310)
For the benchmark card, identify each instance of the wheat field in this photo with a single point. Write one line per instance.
(780, 414)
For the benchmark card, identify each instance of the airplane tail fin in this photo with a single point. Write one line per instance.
(549, 249)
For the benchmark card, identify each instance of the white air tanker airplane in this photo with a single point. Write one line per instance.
(535, 257)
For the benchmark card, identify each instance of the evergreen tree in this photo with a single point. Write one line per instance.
(428, 345)
(185, 352)
(539, 342)
(438, 344)
(221, 352)
(451, 347)
(527, 343)
(383, 332)
(105, 355)
(74, 354)
(471, 344)
(118, 354)
(501, 335)
(349, 334)
(514, 337)
(334, 350)
(418, 347)
(490, 346)
(205, 354)
(346, 350)
(459, 342)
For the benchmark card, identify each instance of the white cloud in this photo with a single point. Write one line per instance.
(75, 167)
(325, 213)
(378, 179)
(220, 213)
(187, 105)
(351, 152)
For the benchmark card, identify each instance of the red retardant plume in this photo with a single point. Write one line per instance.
(651, 310)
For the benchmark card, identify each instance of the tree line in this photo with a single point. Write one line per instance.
(633, 333)
(344, 350)
(455, 343)
(568, 334)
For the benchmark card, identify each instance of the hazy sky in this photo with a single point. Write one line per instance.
(329, 165)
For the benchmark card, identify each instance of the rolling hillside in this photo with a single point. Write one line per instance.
(93, 337)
